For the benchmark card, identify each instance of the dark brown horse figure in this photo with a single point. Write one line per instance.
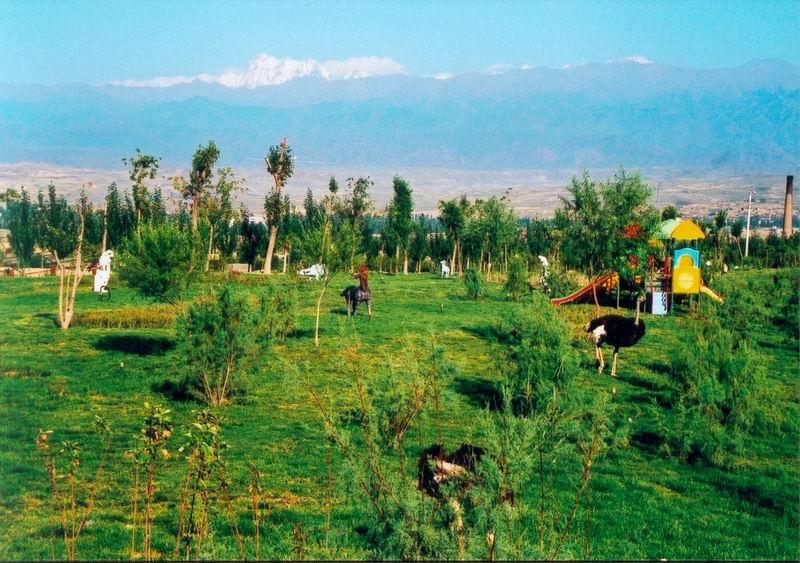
(353, 295)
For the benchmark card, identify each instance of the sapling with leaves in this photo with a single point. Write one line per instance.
(65, 486)
(150, 452)
(205, 481)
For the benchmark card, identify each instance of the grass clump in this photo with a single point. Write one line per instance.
(473, 282)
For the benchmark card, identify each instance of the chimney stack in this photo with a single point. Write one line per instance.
(787, 208)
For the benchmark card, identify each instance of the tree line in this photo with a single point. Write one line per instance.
(599, 225)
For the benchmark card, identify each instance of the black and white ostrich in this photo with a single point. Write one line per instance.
(616, 331)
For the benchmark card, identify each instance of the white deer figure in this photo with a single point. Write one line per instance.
(445, 269)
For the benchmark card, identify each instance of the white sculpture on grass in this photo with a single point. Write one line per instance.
(445, 269)
(103, 274)
(316, 271)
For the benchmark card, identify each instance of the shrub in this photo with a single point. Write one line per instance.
(160, 262)
(516, 283)
(154, 316)
(278, 307)
(218, 334)
(722, 393)
(538, 351)
(473, 282)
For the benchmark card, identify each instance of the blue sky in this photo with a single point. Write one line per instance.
(100, 41)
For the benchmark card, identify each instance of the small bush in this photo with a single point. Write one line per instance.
(278, 308)
(722, 394)
(516, 283)
(473, 282)
(154, 316)
(160, 262)
(218, 334)
(539, 354)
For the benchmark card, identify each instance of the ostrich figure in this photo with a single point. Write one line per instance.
(355, 294)
(616, 331)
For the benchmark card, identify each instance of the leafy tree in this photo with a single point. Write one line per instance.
(669, 212)
(516, 282)
(142, 166)
(20, 217)
(216, 207)
(56, 224)
(399, 215)
(159, 262)
(254, 240)
(497, 224)
(419, 247)
(607, 226)
(119, 216)
(453, 215)
(203, 162)
(280, 165)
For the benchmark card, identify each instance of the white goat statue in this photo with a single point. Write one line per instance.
(103, 273)
(445, 269)
(316, 271)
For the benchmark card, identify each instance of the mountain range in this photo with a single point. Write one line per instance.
(737, 120)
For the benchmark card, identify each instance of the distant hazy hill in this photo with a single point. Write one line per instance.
(740, 120)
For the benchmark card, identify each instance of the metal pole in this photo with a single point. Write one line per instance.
(747, 235)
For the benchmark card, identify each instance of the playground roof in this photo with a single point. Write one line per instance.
(680, 229)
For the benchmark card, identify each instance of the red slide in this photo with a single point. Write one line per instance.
(600, 280)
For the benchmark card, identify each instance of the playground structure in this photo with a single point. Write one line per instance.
(604, 282)
(678, 274)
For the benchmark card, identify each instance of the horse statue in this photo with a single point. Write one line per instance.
(316, 271)
(355, 294)
(445, 269)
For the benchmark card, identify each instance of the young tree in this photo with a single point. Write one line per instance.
(202, 169)
(142, 166)
(217, 208)
(119, 217)
(64, 233)
(399, 214)
(280, 165)
(20, 215)
(453, 215)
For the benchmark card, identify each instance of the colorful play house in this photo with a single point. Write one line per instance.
(681, 273)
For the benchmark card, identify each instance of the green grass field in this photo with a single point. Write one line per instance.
(645, 505)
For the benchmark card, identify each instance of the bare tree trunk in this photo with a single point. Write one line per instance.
(195, 211)
(105, 230)
(285, 258)
(453, 257)
(66, 304)
(405, 262)
(397, 259)
(273, 233)
(319, 305)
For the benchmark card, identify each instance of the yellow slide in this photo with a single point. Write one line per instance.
(715, 296)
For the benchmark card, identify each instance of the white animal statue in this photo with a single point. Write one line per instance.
(103, 273)
(445, 269)
(316, 271)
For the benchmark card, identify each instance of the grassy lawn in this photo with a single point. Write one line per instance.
(645, 505)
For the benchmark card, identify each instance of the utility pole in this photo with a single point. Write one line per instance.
(747, 236)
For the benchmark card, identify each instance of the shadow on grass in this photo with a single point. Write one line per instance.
(479, 392)
(658, 367)
(647, 440)
(135, 344)
(641, 382)
(486, 332)
(49, 316)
